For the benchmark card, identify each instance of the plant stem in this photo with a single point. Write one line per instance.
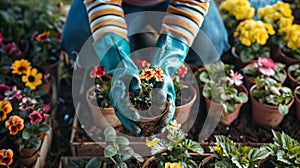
(113, 160)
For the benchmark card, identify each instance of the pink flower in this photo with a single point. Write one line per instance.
(235, 78)
(12, 49)
(35, 117)
(181, 71)
(142, 64)
(266, 65)
(97, 71)
(46, 108)
(1, 38)
(46, 115)
(3, 89)
(27, 103)
(13, 93)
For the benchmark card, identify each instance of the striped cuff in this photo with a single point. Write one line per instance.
(106, 16)
(184, 18)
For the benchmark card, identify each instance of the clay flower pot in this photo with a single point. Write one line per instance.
(227, 118)
(237, 60)
(102, 117)
(148, 162)
(297, 100)
(27, 156)
(278, 55)
(182, 112)
(265, 114)
(292, 81)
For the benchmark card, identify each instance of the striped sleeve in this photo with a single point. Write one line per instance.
(106, 16)
(184, 18)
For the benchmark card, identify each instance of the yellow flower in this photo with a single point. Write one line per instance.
(32, 78)
(158, 75)
(173, 125)
(14, 124)
(151, 143)
(172, 165)
(147, 74)
(20, 67)
(217, 149)
(6, 157)
(5, 108)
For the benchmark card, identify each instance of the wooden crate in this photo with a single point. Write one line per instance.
(96, 148)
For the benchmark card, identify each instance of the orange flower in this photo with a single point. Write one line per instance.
(5, 108)
(20, 66)
(14, 124)
(43, 36)
(6, 157)
(147, 74)
(158, 75)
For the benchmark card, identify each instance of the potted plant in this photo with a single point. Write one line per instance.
(279, 16)
(288, 50)
(224, 94)
(117, 153)
(263, 67)
(297, 99)
(270, 101)
(23, 123)
(233, 12)
(172, 150)
(294, 75)
(98, 99)
(228, 154)
(248, 46)
(284, 150)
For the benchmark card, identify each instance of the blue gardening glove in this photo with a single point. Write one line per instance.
(125, 74)
(170, 56)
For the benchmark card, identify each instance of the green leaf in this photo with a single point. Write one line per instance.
(26, 134)
(109, 131)
(256, 154)
(138, 157)
(236, 160)
(95, 162)
(120, 165)
(193, 146)
(44, 127)
(110, 151)
(158, 148)
(283, 109)
(122, 140)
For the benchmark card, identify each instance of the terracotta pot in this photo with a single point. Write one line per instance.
(292, 81)
(52, 69)
(206, 161)
(102, 117)
(227, 118)
(278, 55)
(182, 112)
(148, 161)
(237, 60)
(297, 100)
(27, 156)
(249, 83)
(266, 114)
(46, 87)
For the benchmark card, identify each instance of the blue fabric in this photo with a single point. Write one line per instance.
(77, 29)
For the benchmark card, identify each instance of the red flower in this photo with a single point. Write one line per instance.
(158, 75)
(142, 64)
(1, 38)
(13, 93)
(3, 89)
(12, 49)
(35, 117)
(181, 71)
(97, 71)
(266, 65)
(147, 74)
(46, 108)
(131, 95)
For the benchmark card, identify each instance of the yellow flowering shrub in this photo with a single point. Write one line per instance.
(290, 40)
(251, 36)
(235, 11)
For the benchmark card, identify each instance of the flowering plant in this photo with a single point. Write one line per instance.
(229, 154)
(289, 41)
(45, 48)
(100, 95)
(269, 91)
(173, 150)
(23, 117)
(251, 38)
(295, 71)
(220, 84)
(278, 15)
(265, 67)
(235, 11)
